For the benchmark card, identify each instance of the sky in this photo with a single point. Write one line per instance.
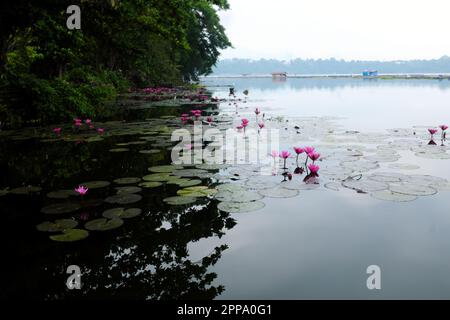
(344, 29)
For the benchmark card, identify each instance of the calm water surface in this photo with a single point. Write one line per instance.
(315, 245)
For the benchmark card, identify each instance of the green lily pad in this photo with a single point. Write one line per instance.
(197, 191)
(262, 182)
(62, 194)
(412, 189)
(151, 151)
(94, 139)
(189, 173)
(128, 189)
(185, 182)
(124, 198)
(179, 200)
(57, 226)
(165, 169)
(211, 166)
(96, 184)
(122, 213)
(117, 150)
(160, 177)
(238, 207)
(103, 224)
(150, 184)
(333, 185)
(60, 208)
(26, 190)
(388, 195)
(278, 192)
(4, 192)
(128, 180)
(403, 166)
(364, 185)
(231, 187)
(239, 196)
(70, 235)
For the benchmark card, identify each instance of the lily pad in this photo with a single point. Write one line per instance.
(4, 192)
(62, 194)
(388, 195)
(197, 191)
(57, 226)
(160, 177)
(386, 177)
(185, 182)
(25, 190)
(403, 166)
(117, 150)
(127, 180)
(128, 189)
(95, 184)
(211, 166)
(262, 182)
(188, 173)
(151, 151)
(333, 185)
(239, 196)
(70, 235)
(278, 192)
(150, 184)
(124, 198)
(179, 200)
(232, 187)
(103, 224)
(413, 189)
(122, 213)
(165, 169)
(238, 207)
(60, 208)
(364, 185)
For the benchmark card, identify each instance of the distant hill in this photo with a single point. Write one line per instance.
(329, 66)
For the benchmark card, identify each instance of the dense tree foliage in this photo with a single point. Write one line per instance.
(50, 73)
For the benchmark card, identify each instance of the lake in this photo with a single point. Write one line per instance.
(381, 198)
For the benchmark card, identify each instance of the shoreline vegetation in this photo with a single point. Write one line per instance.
(50, 74)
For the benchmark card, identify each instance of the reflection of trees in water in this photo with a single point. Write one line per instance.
(144, 260)
(322, 83)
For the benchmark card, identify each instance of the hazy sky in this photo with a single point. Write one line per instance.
(347, 29)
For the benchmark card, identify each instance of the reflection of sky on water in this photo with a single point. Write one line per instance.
(319, 244)
(368, 105)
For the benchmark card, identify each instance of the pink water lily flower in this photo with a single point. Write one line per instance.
(244, 122)
(432, 131)
(285, 154)
(209, 119)
(309, 149)
(257, 111)
(91, 126)
(261, 125)
(88, 121)
(57, 130)
(100, 130)
(82, 190)
(77, 120)
(443, 127)
(298, 150)
(313, 168)
(314, 156)
(274, 154)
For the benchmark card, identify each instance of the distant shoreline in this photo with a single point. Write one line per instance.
(384, 76)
